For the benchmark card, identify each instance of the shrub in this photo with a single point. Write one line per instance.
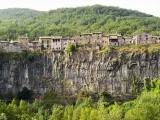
(25, 94)
(70, 48)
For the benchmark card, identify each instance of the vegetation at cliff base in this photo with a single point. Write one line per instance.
(73, 21)
(144, 107)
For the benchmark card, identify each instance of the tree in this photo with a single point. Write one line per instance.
(57, 113)
(3, 116)
(48, 98)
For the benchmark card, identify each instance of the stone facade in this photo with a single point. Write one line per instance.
(59, 43)
(23, 41)
(4, 46)
(45, 42)
(14, 47)
(144, 38)
(95, 40)
(156, 38)
(34, 46)
(128, 41)
(115, 40)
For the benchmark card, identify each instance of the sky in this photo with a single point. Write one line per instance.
(146, 6)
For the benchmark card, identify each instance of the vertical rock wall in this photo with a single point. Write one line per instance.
(115, 73)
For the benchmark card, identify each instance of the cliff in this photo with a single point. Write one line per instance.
(118, 73)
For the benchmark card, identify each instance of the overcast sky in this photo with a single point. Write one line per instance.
(147, 6)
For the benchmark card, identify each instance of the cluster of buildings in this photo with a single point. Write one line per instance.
(95, 40)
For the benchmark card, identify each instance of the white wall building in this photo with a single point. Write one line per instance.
(59, 43)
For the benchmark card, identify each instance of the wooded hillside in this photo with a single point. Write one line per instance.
(72, 21)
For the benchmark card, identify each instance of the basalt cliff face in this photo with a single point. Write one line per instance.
(116, 73)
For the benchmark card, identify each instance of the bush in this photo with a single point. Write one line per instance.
(25, 94)
(70, 48)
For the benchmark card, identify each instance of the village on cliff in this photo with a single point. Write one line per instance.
(96, 40)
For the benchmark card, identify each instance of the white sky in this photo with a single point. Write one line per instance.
(147, 6)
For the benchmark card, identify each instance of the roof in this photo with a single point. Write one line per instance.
(115, 35)
(86, 34)
(108, 35)
(57, 37)
(4, 41)
(14, 42)
(45, 37)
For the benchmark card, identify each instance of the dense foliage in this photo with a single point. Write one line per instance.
(144, 107)
(72, 21)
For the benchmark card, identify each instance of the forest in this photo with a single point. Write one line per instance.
(144, 106)
(73, 21)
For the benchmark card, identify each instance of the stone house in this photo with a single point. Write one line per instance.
(45, 42)
(90, 40)
(128, 40)
(23, 42)
(34, 46)
(56, 43)
(4, 46)
(115, 40)
(14, 46)
(59, 43)
(156, 39)
(143, 38)
(65, 42)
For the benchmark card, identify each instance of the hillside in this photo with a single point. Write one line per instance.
(72, 21)
(18, 13)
